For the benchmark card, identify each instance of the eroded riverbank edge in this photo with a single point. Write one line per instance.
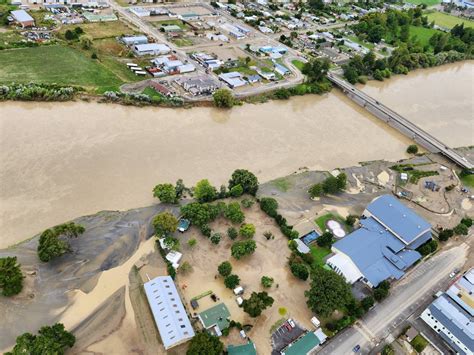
(91, 285)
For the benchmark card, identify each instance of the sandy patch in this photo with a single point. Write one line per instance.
(383, 178)
(466, 204)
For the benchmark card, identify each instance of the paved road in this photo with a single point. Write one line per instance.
(406, 297)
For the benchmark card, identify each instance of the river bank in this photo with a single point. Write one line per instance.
(63, 160)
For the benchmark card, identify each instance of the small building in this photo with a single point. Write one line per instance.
(140, 11)
(302, 247)
(132, 40)
(280, 69)
(151, 49)
(411, 334)
(215, 319)
(252, 79)
(305, 344)
(168, 311)
(199, 85)
(246, 349)
(163, 90)
(186, 68)
(171, 28)
(23, 18)
(174, 257)
(233, 79)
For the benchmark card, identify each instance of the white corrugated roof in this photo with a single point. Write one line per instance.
(21, 16)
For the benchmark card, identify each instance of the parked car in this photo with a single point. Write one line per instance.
(288, 327)
(292, 323)
(356, 348)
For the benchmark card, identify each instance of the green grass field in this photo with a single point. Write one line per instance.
(321, 221)
(426, 2)
(448, 21)
(299, 64)
(319, 254)
(54, 64)
(468, 180)
(422, 34)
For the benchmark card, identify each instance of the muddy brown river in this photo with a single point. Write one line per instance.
(59, 161)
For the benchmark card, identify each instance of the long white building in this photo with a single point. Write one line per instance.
(168, 311)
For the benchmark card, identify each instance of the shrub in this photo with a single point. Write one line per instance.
(247, 203)
(445, 234)
(236, 191)
(243, 248)
(232, 233)
(351, 219)
(234, 213)
(269, 205)
(224, 268)
(247, 230)
(215, 238)
(412, 149)
(461, 229)
(299, 270)
(231, 281)
(266, 281)
(206, 230)
(467, 221)
(268, 235)
(192, 242)
(185, 268)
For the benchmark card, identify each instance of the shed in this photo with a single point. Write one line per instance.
(23, 18)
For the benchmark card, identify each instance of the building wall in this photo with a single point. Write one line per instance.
(438, 327)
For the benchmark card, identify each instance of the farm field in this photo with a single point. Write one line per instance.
(448, 21)
(54, 64)
(426, 2)
(423, 34)
(98, 30)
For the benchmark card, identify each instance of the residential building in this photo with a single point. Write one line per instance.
(383, 248)
(305, 344)
(246, 349)
(451, 315)
(171, 28)
(280, 69)
(168, 311)
(23, 18)
(233, 79)
(215, 319)
(199, 85)
(151, 49)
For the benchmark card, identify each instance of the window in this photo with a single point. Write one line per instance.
(183, 326)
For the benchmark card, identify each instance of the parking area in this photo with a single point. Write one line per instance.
(284, 335)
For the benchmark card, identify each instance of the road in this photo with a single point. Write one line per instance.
(406, 297)
(401, 123)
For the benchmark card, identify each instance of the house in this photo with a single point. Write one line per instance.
(140, 11)
(174, 257)
(305, 344)
(151, 49)
(411, 334)
(168, 311)
(23, 18)
(132, 40)
(215, 319)
(252, 79)
(246, 349)
(267, 75)
(383, 248)
(280, 69)
(186, 68)
(451, 315)
(233, 79)
(163, 90)
(171, 28)
(199, 85)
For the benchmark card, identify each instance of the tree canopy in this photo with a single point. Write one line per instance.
(329, 291)
(269, 205)
(257, 303)
(233, 213)
(242, 248)
(204, 343)
(224, 268)
(11, 277)
(204, 191)
(166, 193)
(231, 281)
(246, 179)
(50, 340)
(316, 69)
(223, 98)
(52, 243)
(247, 230)
(165, 224)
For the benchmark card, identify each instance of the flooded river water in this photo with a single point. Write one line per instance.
(59, 161)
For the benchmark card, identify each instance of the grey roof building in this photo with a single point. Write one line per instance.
(383, 248)
(168, 311)
(451, 315)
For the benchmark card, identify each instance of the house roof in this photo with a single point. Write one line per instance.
(152, 47)
(168, 311)
(303, 345)
(246, 349)
(217, 315)
(21, 16)
(398, 218)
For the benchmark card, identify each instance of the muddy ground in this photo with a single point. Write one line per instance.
(96, 290)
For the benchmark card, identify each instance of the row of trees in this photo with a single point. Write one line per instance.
(461, 229)
(330, 185)
(270, 206)
(37, 92)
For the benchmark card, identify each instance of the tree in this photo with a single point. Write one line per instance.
(445, 234)
(412, 149)
(51, 242)
(50, 340)
(204, 343)
(172, 243)
(316, 70)
(247, 202)
(166, 193)
(180, 188)
(236, 191)
(329, 291)
(266, 281)
(341, 181)
(231, 281)
(461, 229)
(367, 303)
(224, 268)
(467, 221)
(257, 303)
(325, 240)
(388, 350)
(381, 292)
(70, 35)
(246, 179)
(223, 98)
(199, 214)
(233, 213)
(232, 233)
(185, 268)
(316, 190)
(204, 191)
(247, 230)
(165, 224)
(243, 248)
(215, 238)
(269, 205)
(11, 277)
(351, 219)
(86, 42)
(330, 185)
(192, 242)
(316, 4)
(299, 270)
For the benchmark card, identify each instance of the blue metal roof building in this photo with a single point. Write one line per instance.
(383, 247)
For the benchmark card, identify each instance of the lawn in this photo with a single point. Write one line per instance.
(54, 64)
(468, 180)
(426, 2)
(282, 184)
(448, 21)
(419, 343)
(321, 221)
(319, 254)
(422, 34)
(298, 63)
(182, 42)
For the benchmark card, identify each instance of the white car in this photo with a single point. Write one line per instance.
(292, 323)
(451, 275)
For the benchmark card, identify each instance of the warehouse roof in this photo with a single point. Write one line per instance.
(303, 345)
(168, 311)
(246, 349)
(21, 16)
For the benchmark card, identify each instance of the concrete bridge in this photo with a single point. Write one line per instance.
(400, 123)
